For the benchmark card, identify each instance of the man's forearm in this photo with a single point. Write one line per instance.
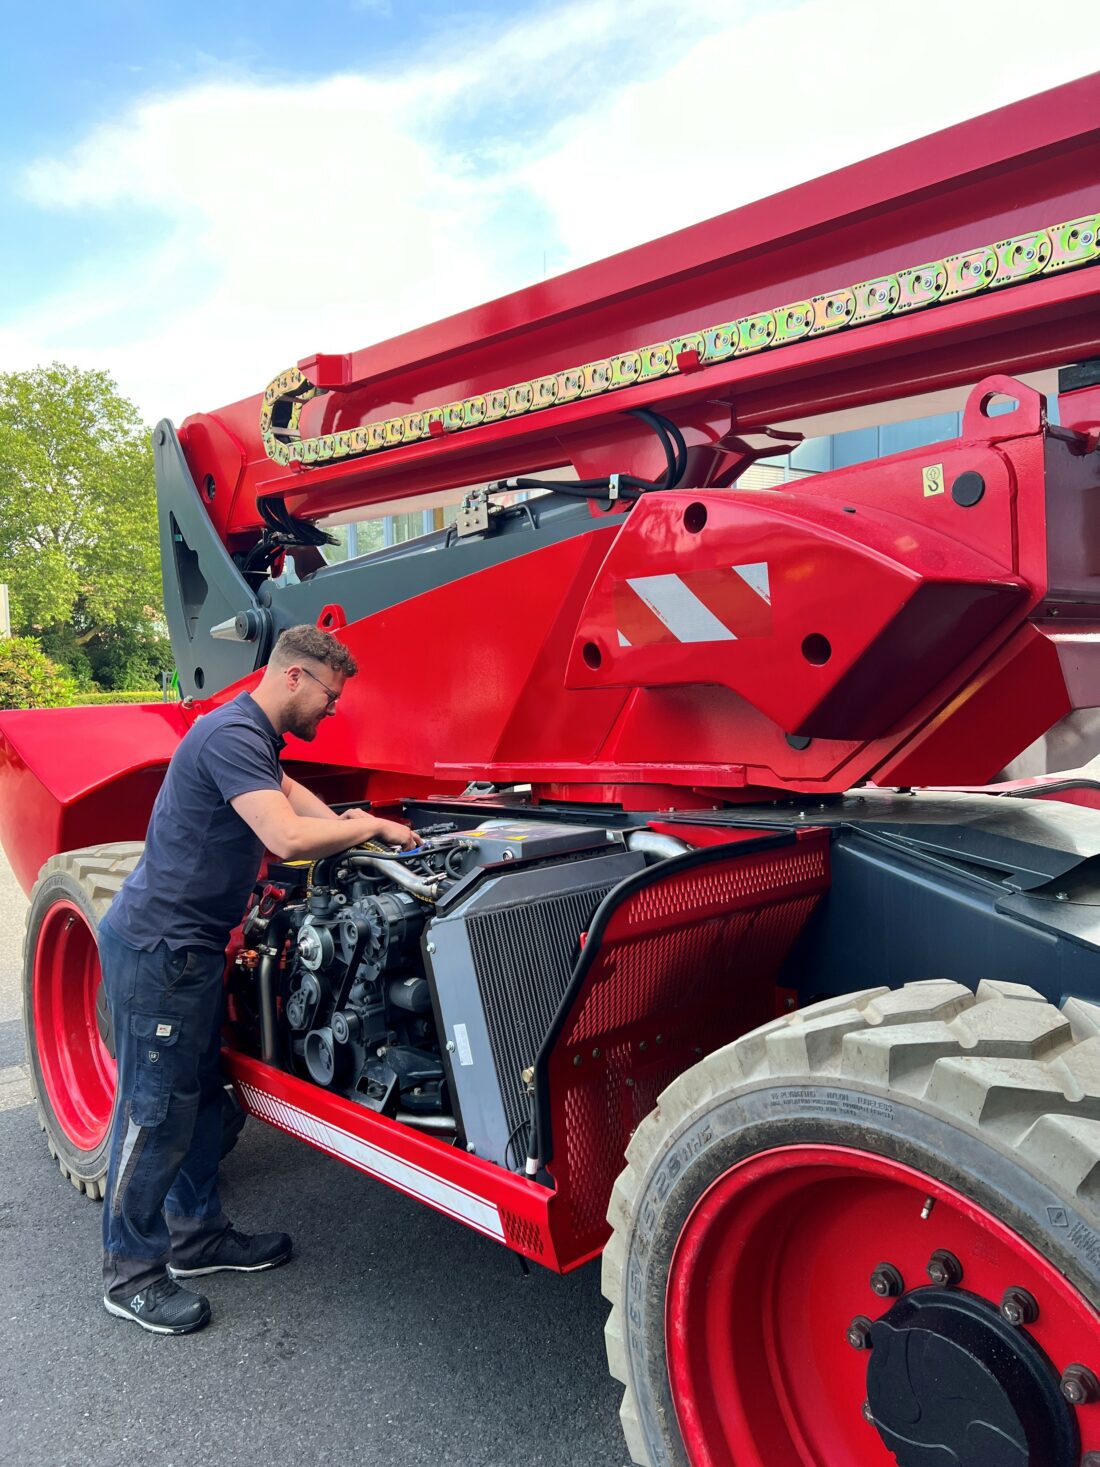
(305, 802)
(308, 838)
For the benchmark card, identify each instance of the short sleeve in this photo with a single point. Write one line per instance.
(240, 761)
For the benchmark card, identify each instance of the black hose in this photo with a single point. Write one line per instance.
(273, 941)
(278, 518)
(658, 425)
(630, 486)
(672, 440)
(584, 488)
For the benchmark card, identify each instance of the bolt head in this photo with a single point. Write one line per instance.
(887, 1282)
(1018, 1307)
(944, 1269)
(858, 1333)
(1080, 1387)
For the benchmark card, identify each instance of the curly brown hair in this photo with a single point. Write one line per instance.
(315, 645)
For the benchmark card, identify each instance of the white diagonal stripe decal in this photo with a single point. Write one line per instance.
(681, 611)
(404, 1175)
(756, 576)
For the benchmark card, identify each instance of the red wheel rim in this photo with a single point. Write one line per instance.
(77, 1072)
(775, 1262)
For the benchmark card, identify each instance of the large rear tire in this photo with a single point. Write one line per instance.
(72, 1067)
(755, 1322)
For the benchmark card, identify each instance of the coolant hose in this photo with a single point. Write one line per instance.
(265, 982)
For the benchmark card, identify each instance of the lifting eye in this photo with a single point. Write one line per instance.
(998, 404)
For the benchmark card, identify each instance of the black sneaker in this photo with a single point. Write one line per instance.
(162, 1307)
(233, 1252)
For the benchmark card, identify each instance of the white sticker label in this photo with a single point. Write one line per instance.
(462, 1044)
(163, 1031)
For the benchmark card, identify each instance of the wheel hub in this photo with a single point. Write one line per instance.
(950, 1383)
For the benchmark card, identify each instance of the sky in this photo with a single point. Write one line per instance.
(195, 196)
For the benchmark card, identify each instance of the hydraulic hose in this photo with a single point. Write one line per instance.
(628, 486)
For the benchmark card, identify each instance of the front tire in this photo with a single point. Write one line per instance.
(775, 1178)
(72, 1068)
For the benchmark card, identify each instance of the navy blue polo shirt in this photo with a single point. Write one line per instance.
(191, 886)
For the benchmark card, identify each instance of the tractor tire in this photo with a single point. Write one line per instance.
(72, 1070)
(72, 1065)
(822, 1222)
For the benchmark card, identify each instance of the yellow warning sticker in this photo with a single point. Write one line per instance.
(933, 480)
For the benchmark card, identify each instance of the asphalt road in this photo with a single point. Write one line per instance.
(395, 1336)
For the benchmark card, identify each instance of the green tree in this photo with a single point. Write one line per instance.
(78, 524)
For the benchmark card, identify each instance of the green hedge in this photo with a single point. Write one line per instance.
(150, 695)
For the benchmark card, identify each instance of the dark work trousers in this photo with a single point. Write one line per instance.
(162, 1203)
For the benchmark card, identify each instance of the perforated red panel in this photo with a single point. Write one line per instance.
(720, 887)
(651, 973)
(521, 1235)
(685, 965)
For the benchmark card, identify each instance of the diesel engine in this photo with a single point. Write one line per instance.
(422, 983)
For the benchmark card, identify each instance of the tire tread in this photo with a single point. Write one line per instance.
(1000, 1062)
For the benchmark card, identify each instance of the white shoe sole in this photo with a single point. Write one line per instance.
(194, 1273)
(154, 1329)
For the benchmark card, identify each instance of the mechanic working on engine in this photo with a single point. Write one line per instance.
(162, 946)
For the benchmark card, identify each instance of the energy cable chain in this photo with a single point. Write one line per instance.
(1011, 262)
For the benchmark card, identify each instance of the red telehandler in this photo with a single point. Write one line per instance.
(724, 953)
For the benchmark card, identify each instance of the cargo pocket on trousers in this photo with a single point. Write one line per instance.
(154, 1036)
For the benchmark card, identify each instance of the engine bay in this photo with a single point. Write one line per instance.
(421, 984)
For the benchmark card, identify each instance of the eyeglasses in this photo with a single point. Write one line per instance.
(329, 694)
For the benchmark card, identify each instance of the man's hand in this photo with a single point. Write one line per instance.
(394, 834)
(390, 832)
(292, 836)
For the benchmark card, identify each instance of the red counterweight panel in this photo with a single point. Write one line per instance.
(686, 962)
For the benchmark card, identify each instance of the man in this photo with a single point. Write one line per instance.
(162, 947)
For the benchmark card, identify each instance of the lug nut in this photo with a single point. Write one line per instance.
(887, 1282)
(1019, 1307)
(944, 1269)
(868, 1415)
(1080, 1386)
(859, 1333)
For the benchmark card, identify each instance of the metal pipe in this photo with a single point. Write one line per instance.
(397, 874)
(446, 1124)
(655, 845)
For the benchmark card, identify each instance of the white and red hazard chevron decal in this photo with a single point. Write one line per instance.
(724, 604)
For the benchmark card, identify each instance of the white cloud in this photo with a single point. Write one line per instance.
(333, 213)
(787, 96)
